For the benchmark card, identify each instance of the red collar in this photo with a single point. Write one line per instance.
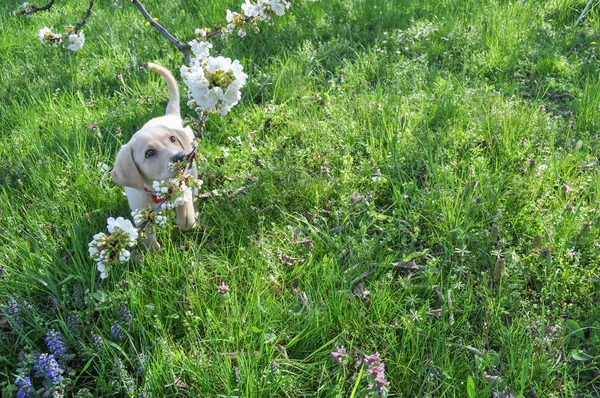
(152, 196)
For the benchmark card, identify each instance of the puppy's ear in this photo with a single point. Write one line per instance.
(125, 171)
(183, 137)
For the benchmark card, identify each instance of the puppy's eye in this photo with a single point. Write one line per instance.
(172, 138)
(150, 153)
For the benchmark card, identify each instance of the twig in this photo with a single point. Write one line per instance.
(85, 18)
(363, 276)
(208, 195)
(183, 47)
(451, 314)
(410, 265)
(35, 8)
(585, 10)
(238, 191)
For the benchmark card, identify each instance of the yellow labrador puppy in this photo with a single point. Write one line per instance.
(146, 157)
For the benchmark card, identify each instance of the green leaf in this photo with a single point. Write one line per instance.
(470, 387)
(574, 328)
(581, 356)
(256, 330)
(270, 338)
(99, 296)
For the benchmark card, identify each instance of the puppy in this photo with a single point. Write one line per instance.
(146, 157)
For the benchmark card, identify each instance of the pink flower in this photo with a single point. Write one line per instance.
(339, 355)
(223, 289)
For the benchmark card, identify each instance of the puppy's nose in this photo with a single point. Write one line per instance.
(179, 157)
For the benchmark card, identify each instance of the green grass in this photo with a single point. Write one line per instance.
(461, 135)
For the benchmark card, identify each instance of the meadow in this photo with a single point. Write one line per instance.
(417, 179)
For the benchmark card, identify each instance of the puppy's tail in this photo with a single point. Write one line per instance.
(173, 105)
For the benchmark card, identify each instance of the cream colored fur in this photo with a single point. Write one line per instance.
(165, 139)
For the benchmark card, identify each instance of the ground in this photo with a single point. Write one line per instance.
(421, 181)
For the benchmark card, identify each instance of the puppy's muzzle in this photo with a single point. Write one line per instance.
(179, 157)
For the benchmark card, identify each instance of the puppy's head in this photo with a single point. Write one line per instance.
(146, 157)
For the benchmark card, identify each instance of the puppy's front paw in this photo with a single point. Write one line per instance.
(186, 217)
(151, 243)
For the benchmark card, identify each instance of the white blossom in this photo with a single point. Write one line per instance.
(106, 249)
(154, 218)
(121, 224)
(175, 192)
(214, 83)
(264, 9)
(201, 49)
(124, 255)
(76, 41)
(48, 37)
(24, 9)
(279, 6)
(250, 10)
(231, 16)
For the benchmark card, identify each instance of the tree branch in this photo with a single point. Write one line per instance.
(183, 47)
(85, 18)
(35, 8)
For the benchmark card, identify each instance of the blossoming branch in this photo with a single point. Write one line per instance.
(214, 86)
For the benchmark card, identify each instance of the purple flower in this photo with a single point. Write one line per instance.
(97, 342)
(376, 373)
(13, 310)
(93, 126)
(373, 360)
(567, 188)
(339, 355)
(115, 330)
(125, 314)
(55, 344)
(139, 361)
(25, 386)
(223, 289)
(46, 365)
(125, 377)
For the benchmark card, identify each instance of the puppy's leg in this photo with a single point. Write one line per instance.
(138, 200)
(186, 216)
(151, 243)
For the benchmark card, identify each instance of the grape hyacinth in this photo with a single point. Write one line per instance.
(125, 314)
(98, 342)
(13, 310)
(502, 394)
(46, 365)
(55, 344)
(115, 330)
(127, 381)
(25, 386)
(139, 362)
